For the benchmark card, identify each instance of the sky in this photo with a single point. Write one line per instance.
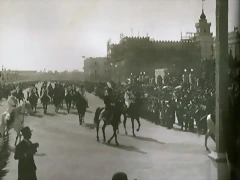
(55, 34)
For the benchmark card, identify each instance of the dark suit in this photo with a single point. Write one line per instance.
(26, 165)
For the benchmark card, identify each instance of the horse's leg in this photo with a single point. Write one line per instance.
(97, 128)
(206, 138)
(80, 116)
(139, 124)
(213, 137)
(115, 134)
(16, 140)
(132, 119)
(103, 130)
(20, 137)
(124, 123)
(112, 136)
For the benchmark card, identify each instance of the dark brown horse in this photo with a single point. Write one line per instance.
(133, 112)
(114, 121)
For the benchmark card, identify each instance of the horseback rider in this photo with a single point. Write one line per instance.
(32, 90)
(12, 104)
(109, 103)
(129, 97)
(83, 93)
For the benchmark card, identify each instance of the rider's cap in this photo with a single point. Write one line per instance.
(26, 130)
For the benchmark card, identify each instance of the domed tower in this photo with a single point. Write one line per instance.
(204, 36)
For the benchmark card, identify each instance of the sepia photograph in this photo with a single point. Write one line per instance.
(119, 90)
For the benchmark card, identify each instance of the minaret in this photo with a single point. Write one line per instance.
(204, 36)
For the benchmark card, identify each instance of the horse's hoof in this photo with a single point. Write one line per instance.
(134, 135)
(104, 140)
(108, 141)
(207, 149)
(137, 130)
(117, 144)
(126, 133)
(97, 140)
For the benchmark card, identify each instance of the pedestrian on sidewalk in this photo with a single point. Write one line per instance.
(24, 153)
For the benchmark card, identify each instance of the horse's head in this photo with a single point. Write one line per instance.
(26, 106)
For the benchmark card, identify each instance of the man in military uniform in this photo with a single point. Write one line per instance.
(109, 103)
(12, 104)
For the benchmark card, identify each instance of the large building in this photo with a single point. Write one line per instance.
(96, 69)
(134, 56)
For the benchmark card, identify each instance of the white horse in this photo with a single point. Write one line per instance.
(18, 123)
(210, 128)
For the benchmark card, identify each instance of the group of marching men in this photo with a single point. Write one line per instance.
(55, 95)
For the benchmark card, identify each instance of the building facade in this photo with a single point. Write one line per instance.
(96, 69)
(234, 43)
(140, 56)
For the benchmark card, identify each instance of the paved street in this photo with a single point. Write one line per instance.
(71, 151)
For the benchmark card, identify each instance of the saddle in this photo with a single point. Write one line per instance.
(106, 115)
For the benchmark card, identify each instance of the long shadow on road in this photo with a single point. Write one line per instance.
(89, 126)
(126, 148)
(63, 113)
(38, 115)
(148, 139)
(141, 138)
(51, 114)
(88, 111)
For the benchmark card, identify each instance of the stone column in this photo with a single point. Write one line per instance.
(219, 168)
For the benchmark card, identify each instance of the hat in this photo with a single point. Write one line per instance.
(120, 176)
(25, 130)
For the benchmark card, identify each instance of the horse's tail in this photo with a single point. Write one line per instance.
(96, 116)
(200, 125)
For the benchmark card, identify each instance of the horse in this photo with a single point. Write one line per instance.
(133, 112)
(18, 123)
(33, 99)
(20, 95)
(50, 93)
(81, 105)
(57, 98)
(68, 100)
(113, 121)
(45, 99)
(210, 119)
